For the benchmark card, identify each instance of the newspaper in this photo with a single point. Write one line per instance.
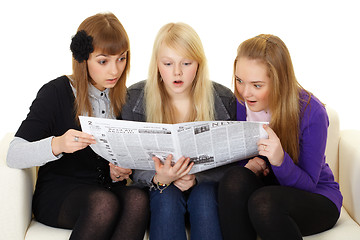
(208, 144)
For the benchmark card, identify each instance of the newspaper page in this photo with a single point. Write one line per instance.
(208, 144)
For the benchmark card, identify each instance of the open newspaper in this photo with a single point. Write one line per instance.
(208, 144)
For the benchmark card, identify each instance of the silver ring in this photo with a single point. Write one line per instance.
(76, 139)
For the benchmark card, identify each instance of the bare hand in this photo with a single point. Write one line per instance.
(166, 174)
(118, 173)
(258, 166)
(186, 182)
(71, 141)
(271, 147)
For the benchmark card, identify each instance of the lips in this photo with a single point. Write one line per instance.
(178, 82)
(112, 80)
(250, 102)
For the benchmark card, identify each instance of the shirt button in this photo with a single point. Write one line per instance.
(101, 94)
(103, 112)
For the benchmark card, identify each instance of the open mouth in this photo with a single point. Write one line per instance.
(250, 102)
(178, 82)
(112, 80)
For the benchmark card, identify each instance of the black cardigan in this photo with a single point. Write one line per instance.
(52, 114)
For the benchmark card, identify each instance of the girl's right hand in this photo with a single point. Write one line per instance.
(118, 173)
(258, 166)
(166, 174)
(71, 141)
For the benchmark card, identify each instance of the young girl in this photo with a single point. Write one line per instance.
(179, 90)
(289, 190)
(74, 188)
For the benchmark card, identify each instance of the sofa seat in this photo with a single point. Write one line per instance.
(342, 152)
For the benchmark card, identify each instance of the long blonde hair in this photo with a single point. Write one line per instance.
(110, 37)
(284, 99)
(184, 40)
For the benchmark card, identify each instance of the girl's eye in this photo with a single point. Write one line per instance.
(238, 80)
(187, 63)
(167, 64)
(101, 62)
(121, 59)
(257, 86)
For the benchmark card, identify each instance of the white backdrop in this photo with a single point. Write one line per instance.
(322, 36)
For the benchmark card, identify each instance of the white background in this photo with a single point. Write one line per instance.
(322, 36)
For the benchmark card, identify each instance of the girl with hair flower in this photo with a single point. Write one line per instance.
(288, 191)
(178, 89)
(74, 188)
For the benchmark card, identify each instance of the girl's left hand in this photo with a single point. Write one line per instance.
(271, 147)
(118, 173)
(186, 182)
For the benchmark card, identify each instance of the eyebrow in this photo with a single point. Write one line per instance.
(105, 55)
(236, 77)
(172, 58)
(101, 55)
(165, 58)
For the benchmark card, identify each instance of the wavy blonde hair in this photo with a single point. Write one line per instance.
(186, 42)
(284, 99)
(110, 37)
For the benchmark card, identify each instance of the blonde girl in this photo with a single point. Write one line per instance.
(177, 90)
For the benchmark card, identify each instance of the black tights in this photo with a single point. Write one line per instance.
(93, 212)
(248, 207)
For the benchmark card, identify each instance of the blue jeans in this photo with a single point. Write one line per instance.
(169, 210)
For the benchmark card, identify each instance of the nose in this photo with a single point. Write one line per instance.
(246, 91)
(177, 70)
(114, 69)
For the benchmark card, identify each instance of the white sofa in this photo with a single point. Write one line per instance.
(343, 156)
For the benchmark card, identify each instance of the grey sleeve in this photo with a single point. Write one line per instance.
(25, 154)
(143, 177)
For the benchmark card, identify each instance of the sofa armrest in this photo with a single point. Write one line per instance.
(16, 188)
(349, 171)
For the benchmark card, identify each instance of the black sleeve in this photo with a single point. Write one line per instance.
(51, 113)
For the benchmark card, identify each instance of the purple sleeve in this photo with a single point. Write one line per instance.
(240, 111)
(312, 139)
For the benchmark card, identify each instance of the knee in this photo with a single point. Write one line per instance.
(238, 174)
(171, 199)
(204, 192)
(236, 179)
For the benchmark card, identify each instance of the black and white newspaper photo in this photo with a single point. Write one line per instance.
(208, 144)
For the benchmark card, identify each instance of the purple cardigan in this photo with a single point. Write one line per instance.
(312, 173)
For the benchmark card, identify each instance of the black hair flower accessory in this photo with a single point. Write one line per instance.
(81, 46)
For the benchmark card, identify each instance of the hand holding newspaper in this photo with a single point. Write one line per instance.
(208, 144)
